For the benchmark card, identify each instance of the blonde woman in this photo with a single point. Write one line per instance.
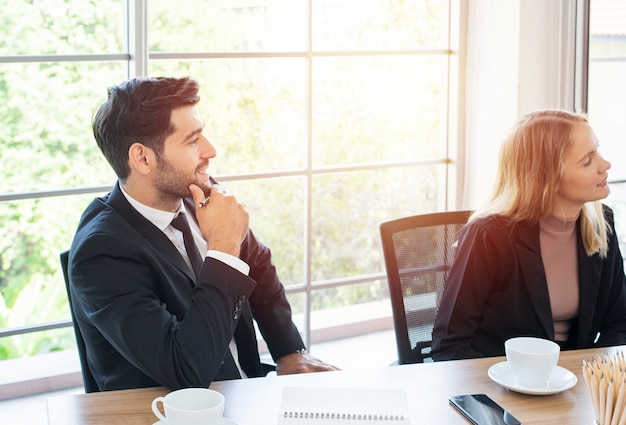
(541, 258)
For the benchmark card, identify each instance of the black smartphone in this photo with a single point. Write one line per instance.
(482, 410)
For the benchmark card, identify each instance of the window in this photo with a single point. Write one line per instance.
(329, 117)
(606, 94)
(54, 57)
(607, 79)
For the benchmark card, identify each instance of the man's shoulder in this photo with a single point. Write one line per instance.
(102, 218)
(98, 213)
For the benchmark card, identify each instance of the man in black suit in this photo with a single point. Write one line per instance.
(148, 313)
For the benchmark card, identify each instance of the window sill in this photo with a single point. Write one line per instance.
(38, 374)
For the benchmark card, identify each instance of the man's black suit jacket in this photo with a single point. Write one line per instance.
(145, 319)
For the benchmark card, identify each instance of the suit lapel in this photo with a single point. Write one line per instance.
(534, 275)
(153, 236)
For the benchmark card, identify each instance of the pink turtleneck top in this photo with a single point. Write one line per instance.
(557, 238)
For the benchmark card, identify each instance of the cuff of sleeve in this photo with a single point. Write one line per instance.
(231, 260)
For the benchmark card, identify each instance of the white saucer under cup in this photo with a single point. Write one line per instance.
(532, 360)
(560, 380)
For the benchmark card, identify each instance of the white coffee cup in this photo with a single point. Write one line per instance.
(532, 360)
(190, 406)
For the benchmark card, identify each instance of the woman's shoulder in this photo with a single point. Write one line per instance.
(495, 227)
(493, 221)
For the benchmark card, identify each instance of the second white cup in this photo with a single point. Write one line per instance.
(532, 360)
(190, 406)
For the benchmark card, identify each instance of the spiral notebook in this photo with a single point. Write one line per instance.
(328, 406)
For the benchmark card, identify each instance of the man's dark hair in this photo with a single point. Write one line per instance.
(139, 110)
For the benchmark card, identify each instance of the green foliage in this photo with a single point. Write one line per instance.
(46, 143)
(60, 26)
(39, 300)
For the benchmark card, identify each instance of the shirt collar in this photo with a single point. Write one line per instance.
(159, 218)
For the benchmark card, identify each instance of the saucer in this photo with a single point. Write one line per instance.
(224, 421)
(560, 380)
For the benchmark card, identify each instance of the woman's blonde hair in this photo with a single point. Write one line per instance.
(531, 165)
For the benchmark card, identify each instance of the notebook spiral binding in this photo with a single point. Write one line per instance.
(346, 416)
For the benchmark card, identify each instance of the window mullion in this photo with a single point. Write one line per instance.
(137, 37)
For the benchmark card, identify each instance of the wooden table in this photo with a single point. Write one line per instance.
(427, 387)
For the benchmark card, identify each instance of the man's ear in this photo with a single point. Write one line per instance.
(141, 158)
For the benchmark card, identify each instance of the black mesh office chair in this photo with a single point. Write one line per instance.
(418, 251)
(88, 380)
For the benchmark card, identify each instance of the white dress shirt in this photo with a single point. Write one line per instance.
(163, 219)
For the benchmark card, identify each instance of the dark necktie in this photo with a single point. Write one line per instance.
(180, 223)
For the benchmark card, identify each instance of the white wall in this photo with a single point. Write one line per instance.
(519, 59)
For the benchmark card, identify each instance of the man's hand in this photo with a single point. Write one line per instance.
(223, 220)
(301, 363)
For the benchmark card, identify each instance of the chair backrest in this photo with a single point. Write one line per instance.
(88, 380)
(418, 251)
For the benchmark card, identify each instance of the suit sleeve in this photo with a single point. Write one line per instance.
(268, 302)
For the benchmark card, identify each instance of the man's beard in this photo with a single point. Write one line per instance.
(174, 183)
